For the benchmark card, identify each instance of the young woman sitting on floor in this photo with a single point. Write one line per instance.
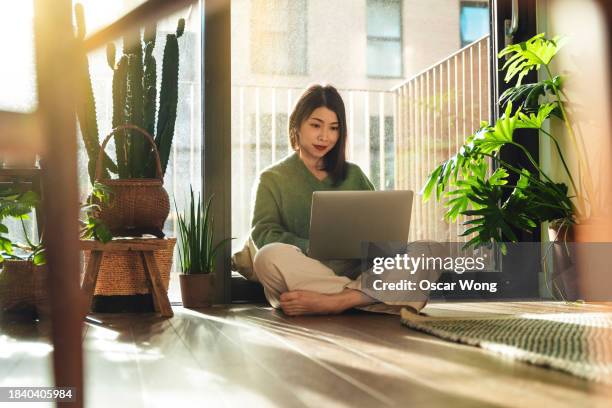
(281, 217)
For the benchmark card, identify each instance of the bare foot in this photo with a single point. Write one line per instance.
(304, 302)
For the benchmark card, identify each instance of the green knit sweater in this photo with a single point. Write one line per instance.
(284, 196)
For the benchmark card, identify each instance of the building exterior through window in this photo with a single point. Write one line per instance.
(384, 27)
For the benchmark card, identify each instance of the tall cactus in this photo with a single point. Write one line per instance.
(135, 100)
(86, 107)
(119, 92)
(134, 103)
(149, 81)
(168, 97)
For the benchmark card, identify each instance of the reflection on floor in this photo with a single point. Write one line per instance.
(251, 355)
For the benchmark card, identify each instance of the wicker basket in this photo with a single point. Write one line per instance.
(135, 205)
(23, 287)
(122, 273)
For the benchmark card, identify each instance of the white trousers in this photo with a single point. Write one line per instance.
(283, 267)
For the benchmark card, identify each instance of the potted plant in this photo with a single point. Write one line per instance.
(475, 181)
(197, 253)
(23, 277)
(22, 280)
(135, 203)
(139, 203)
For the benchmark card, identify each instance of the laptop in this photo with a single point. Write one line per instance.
(341, 221)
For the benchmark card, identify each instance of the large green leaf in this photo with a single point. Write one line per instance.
(527, 96)
(529, 55)
(535, 120)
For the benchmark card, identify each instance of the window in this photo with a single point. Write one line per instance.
(384, 28)
(278, 37)
(17, 77)
(407, 108)
(474, 21)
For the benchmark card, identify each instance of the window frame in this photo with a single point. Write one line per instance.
(216, 136)
(474, 4)
(216, 152)
(525, 285)
(399, 39)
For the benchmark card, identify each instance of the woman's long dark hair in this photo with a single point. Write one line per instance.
(316, 96)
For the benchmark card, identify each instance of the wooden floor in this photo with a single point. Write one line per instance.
(253, 356)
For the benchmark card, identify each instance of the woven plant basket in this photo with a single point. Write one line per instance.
(122, 273)
(23, 287)
(135, 205)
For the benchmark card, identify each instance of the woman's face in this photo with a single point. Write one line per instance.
(319, 133)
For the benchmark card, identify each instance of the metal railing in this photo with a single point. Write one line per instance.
(436, 110)
(419, 124)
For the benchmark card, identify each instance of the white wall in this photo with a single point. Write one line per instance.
(584, 63)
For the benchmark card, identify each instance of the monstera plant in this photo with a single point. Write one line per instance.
(475, 182)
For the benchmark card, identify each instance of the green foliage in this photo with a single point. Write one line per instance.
(168, 98)
(134, 107)
(91, 226)
(529, 55)
(85, 107)
(149, 83)
(111, 50)
(530, 203)
(527, 96)
(119, 115)
(197, 250)
(18, 204)
(135, 101)
(466, 181)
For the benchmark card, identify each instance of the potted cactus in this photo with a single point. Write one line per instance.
(134, 203)
(143, 130)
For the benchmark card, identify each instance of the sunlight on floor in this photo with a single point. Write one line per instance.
(10, 347)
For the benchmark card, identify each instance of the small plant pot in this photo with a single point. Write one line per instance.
(197, 289)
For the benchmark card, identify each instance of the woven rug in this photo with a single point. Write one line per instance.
(577, 343)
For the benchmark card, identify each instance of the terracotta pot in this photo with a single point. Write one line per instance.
(197, 289)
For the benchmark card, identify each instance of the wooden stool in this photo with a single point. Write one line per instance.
(152, 274)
